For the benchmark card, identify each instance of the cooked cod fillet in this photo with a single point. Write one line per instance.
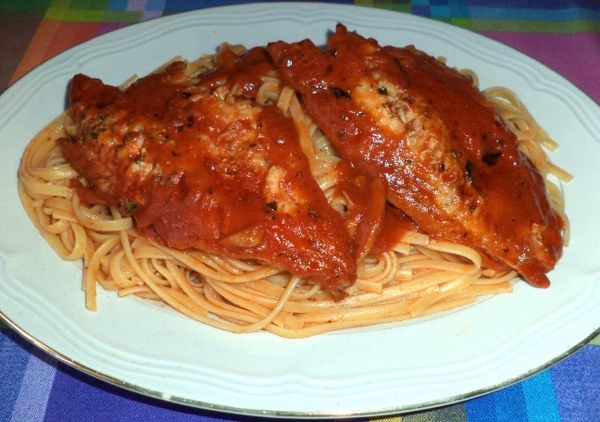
(445, 157)
(199, 167)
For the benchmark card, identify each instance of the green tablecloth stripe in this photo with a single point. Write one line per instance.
(398, 7)
(24, 5)
(573, 26)
(80, 15)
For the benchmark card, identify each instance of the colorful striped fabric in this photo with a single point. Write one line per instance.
(35, 387)
(538, 28)
(563, 34)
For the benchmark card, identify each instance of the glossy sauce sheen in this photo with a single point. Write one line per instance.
(365, 203)
(393, 227)
(197, 169)
(244, 72)
(446, 159)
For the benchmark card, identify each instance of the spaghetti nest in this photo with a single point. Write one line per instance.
(419, 276)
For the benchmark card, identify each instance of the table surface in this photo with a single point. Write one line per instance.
(564, 35)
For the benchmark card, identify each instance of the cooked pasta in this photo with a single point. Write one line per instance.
(419, 276)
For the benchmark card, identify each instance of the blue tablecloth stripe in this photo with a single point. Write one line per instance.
(540, 398)
(13, 361)
(176, 6)
(494, 406)
(522, 10)
(519, 4)
(517, 411)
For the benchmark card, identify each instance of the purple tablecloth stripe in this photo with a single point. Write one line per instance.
(577, 389)
(567, 391)
(574, 56)
(35, 389)
(13, 361)
(92, 400)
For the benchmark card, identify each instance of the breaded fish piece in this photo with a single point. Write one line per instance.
(446, 158)
(198, 167)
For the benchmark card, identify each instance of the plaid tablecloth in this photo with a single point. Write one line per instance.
(564, 35)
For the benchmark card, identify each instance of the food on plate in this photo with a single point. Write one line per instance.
(210, 172)
(297, 190)
(446, 160)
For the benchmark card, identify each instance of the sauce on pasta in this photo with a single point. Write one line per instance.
(210, 187)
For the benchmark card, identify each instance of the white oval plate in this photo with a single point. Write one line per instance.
(385, 369)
